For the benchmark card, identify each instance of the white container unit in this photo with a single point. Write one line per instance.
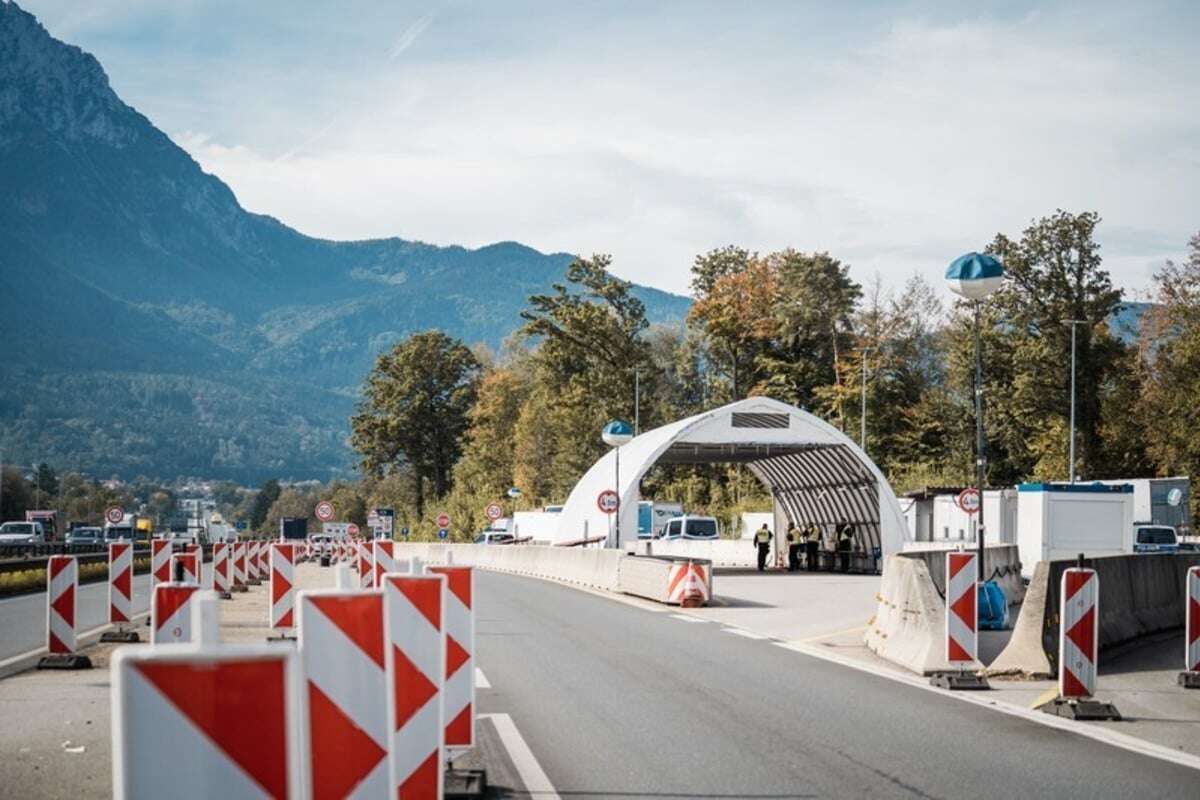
(1057, 521)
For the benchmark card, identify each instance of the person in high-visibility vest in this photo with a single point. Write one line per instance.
(762, 540)
(812, 540)
(845, 540)
(794, 544)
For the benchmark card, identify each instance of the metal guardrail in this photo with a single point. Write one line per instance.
(19, 558)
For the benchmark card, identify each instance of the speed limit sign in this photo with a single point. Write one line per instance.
(494, 511)
(968, 501)
(325, 511)
(608, 501)
(114, 515)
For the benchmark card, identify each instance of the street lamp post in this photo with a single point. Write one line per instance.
(616, 433)
(862, 433)
(975, 276)
(1074, 323)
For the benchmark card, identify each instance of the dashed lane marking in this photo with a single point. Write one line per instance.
(537, 785)
(687, 618)
(745, 633)
(481, 681)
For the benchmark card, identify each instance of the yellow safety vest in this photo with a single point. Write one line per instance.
(762, 537)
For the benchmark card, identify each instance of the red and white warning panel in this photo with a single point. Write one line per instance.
(190, 563)
(366, 575)
(120, 582)
(414, 613)
(1079, 634)
(220, 567)
(460, 655)
(62, 588)
(238, 561)
(283, 592)
(264, 558)
(160, 561)
(688, 579)
(253, 575)
(171, 612)
(1192, 634)
(962, 609)
(206, 721)
(384, 558)
(343, 655)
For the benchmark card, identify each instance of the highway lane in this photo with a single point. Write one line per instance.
(617, 701)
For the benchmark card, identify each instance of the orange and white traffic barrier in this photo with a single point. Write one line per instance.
(413, 618)
(366, 575)
(171, 612)
(253, 575)
(1079, 633)
(1192, 623)
(689, 581)
(237, 555)
(384, 557)
(160, 561)
(343, 655)
(962, 609)
(120, 583)
(460, 655)
(206, 721)
(221, 574)
(190, 564)
(283, 593)
(264, 559)
(62, 590)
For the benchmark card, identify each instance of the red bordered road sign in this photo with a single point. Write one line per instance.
(443, 520)
(968, 500)
(494, 511)
(114, 514)
(324, 511)
(608, 501)
(352, 529)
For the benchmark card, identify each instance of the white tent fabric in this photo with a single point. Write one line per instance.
(815, 472)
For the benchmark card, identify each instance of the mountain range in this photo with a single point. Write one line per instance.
(152, 326)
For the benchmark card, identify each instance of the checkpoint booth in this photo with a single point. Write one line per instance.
(814, 472)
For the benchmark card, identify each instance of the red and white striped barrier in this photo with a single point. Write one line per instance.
(1078, 637)
(191, 567)
(962, 609)
(238, 562)
(62, 590)
(366, 575)
(221, 572)
(264, 559)
(688, 579)
(253, 574)
(383, 554)
(206, 721)
(171, 612)
(1192, 624)
(160, 561)
(343, 655)
(283, 593)
(414, 613)
(120, 582)
(460, 656)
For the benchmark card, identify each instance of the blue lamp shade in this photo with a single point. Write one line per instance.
(974, 275)
(617, 433)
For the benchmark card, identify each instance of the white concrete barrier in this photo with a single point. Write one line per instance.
(909, 626)
(721, 552)
(593, 567)
(660, 577)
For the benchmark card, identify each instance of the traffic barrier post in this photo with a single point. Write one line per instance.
(238, 561)
(120, 593)
(366, 575)
(415, 660)
(383, 553)
(961, 624)
(1079, 648)
(342, 652)
(459, 692)
(160, 561)
(189, 563)
(171, 612)
(253, 577)
(283, 593)
(1190, 677)
(62, 592)
(221, 571)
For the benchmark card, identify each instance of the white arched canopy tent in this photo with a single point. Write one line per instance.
(814, 472)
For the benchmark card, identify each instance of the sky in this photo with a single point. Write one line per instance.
(895, 136)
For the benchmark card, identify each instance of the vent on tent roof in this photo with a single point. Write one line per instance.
(749, 420)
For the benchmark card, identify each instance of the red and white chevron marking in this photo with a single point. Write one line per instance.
(962, 609)
(62, 590)
(197, 551)
(238, 562)
(414, 612)
(343, 654)
(686, 577)
(384, 557)
(1079, 634)
(253, 574)
(171, 612)
(221, 573)
(460, 655)
(366, 575)
(204, 722)
(160, 561)
(283, 592)
(264, 558)
(1192, 635)
(120, 582)
(191, 567)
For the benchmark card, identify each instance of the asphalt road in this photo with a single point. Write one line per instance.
(617, 701)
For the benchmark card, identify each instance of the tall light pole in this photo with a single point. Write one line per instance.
(616, 433)
(975, 276)
(1074, 323)
(862, 434)
(637, 402)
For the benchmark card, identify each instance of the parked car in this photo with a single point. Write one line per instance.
(493, 537)
(1148, 538)
(691, 527)
(80, 536)
(22, 533)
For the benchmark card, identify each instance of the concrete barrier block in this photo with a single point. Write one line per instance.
(1025, 655)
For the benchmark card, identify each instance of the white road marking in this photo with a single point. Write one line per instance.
(481, 681)
(528, 769)
(1099, 734)
(687, 618)
(745, 633)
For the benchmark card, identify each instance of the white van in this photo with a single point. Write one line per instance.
(691, 527)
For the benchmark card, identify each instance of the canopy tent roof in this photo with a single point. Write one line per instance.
(814, 471)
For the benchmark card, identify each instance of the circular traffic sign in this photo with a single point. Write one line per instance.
(325, 511)
(608, 501)
(968, 500)
(494, 511)
(443, 533)
(443, 521)
(114, 514)
(352, 529)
